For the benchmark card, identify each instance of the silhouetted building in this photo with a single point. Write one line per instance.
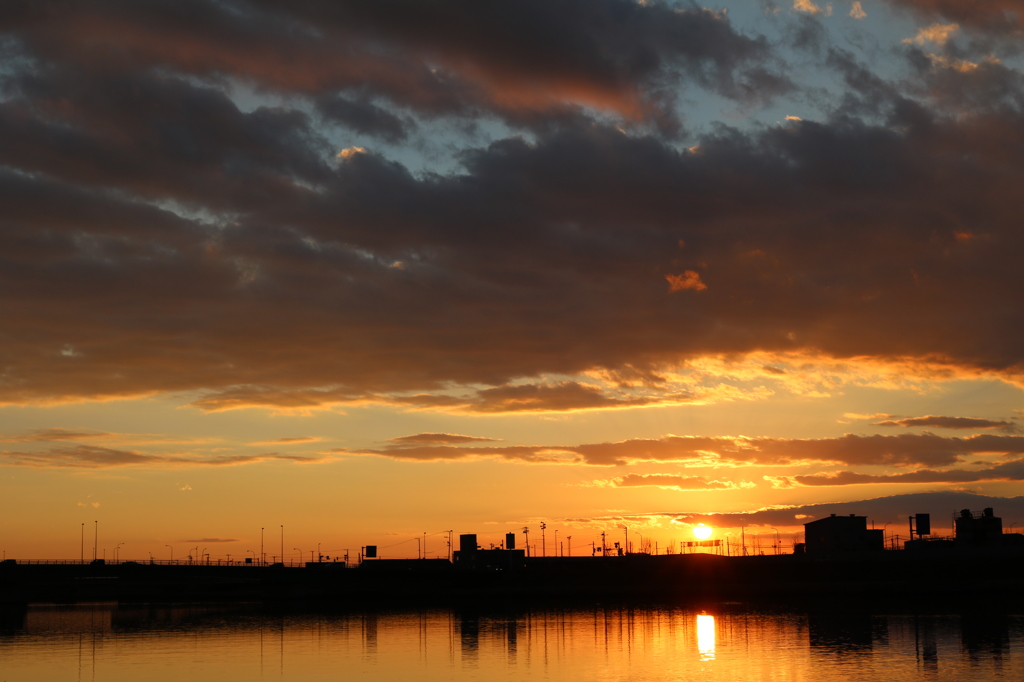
(470, 555)
(842, 534)
(978, 528)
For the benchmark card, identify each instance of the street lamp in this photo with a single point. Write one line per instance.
(116, 551)
(300, 553)
(543, 542)
(253, 554)
(778, 540)
(202, 554)
(172, 551)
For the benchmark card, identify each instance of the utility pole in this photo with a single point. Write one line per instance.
(569, 538)
(543, 542)
(526, 532)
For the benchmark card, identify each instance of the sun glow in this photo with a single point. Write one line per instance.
(702, 532)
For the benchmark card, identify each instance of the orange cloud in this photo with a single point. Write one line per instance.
(690, 279)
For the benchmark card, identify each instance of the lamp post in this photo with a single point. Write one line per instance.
(556, 542)
(526, 532)
(204, 554)
(82, 557)
(263, 554)
(543, 542)
(569, 539)
(254, 557)
(300, 553)
(172, 551)
(117, 551)
(95, 538)
(282, 543)
(778, 540)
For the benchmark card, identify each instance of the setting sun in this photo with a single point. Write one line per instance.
(702, 532)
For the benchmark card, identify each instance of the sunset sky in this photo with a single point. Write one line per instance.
(373, 269)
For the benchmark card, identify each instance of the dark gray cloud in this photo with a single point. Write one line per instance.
(996, 15)
(163, 236)
(364, 117)
(519, 61)
(1008, 471)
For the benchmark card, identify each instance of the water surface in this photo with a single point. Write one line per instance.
(731, 642)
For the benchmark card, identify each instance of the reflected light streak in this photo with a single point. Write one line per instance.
(706, 637)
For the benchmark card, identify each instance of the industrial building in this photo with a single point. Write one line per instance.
(842, 534)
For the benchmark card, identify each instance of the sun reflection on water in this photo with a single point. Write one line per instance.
(706, 637)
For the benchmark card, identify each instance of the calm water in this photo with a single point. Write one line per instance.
(107, 643)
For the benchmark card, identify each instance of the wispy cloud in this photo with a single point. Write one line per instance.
(94, 457)
(296, 440)
(1008, 471)
(904, 450)
(951, 423)
(439, 439)
(673, 482)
